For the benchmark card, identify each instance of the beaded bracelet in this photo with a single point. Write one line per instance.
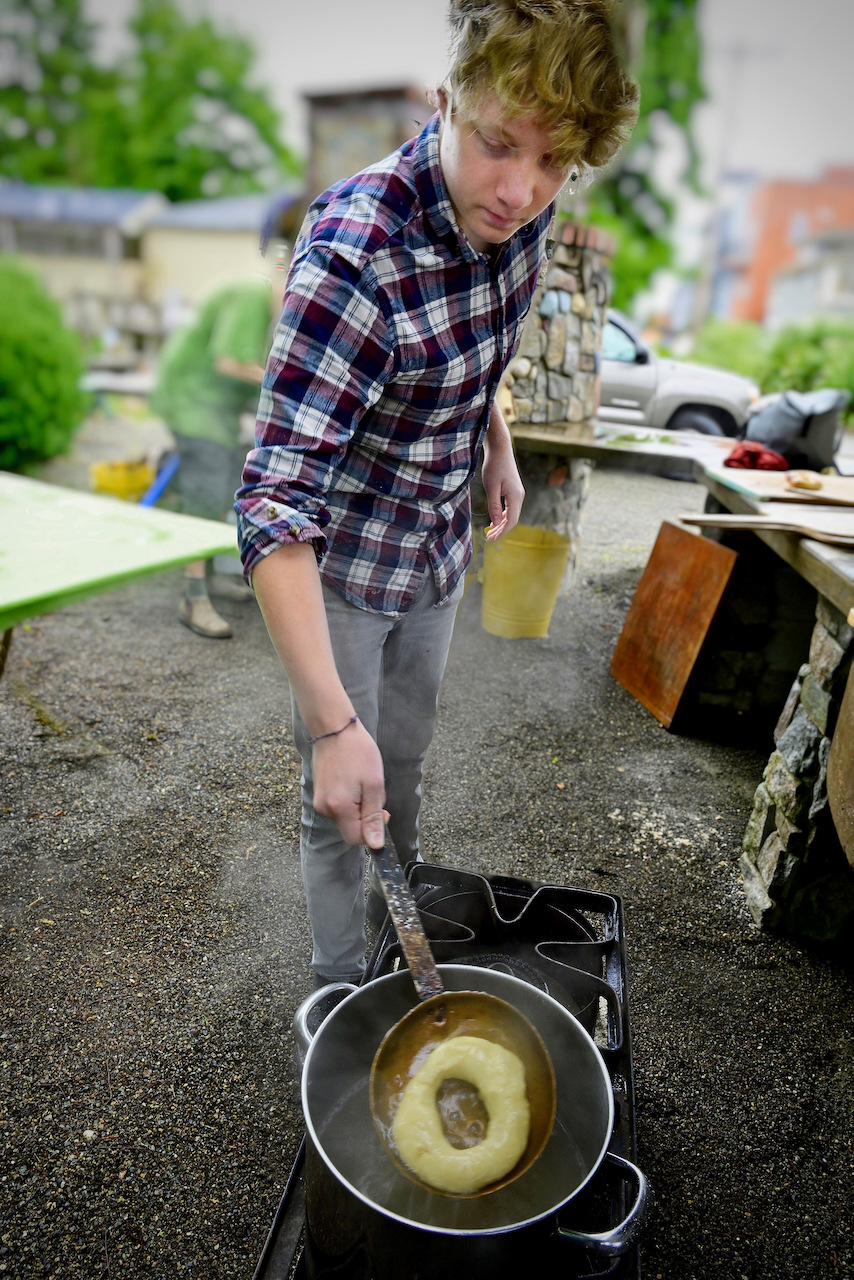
(334, 733)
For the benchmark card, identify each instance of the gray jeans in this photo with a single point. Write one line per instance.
(391, 669)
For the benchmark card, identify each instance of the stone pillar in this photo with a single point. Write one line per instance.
(796, 877)
(553, 380)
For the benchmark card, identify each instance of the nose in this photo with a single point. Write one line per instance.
(515, 186)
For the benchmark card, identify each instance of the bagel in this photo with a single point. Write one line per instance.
(417, 1129)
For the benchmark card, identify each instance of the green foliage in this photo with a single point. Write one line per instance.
(738, 345)
(636, 257)
(806, 357)
(48, 89)
(670, 74)
(625, 200)
(179, 115)
(801, 357)
(40, 367)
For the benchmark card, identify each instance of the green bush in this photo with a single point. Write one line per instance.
(738, 345)
(801, 357)
(40, 369)
(805, 357)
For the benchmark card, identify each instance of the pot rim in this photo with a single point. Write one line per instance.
(413, 1222)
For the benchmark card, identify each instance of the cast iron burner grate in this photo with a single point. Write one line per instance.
(567, 942)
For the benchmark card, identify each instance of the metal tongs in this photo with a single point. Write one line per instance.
(441, 1014)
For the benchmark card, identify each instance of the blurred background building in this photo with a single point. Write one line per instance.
(141, 142)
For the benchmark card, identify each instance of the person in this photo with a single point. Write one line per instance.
(204, 379)
(405, 300)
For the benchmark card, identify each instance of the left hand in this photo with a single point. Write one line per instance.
(501, 481)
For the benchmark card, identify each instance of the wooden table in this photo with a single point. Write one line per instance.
(827, 568)
(60, 545)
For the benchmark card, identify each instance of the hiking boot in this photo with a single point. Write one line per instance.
(200, 616)
(225, 589)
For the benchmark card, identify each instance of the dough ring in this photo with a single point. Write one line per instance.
(417, 1129)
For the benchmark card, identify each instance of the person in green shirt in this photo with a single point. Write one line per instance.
(204, 379)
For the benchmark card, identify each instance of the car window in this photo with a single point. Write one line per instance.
(617, 345)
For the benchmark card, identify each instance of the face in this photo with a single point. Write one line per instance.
(500, 172)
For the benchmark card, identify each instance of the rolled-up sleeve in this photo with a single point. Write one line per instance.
(331, 357)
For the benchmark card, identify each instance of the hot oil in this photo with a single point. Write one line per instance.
(351, 1142)
(464, 1116)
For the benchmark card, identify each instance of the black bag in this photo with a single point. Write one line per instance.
(804, 426)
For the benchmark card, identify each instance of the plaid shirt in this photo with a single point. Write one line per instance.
(380, 381)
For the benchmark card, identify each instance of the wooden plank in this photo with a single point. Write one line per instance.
(773, 486)
(840, 772)
(673, 608)
(832, 525)
(829, 569)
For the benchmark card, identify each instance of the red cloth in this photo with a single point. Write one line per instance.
(749, 455)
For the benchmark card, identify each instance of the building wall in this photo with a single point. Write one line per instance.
(187, 262)
(67, 278)
(783, 215)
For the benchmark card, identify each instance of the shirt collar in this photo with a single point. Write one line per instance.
(430, 185)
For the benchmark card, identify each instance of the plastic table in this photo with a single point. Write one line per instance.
(60, 545)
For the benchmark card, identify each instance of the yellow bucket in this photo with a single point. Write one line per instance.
(521, 579)
(128, 480)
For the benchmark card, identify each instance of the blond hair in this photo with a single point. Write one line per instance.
(553, 58)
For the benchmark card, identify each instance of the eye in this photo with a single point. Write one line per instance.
(492, 145)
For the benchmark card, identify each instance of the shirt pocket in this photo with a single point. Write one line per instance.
(434, 381)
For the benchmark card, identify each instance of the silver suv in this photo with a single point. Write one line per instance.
(641, 389)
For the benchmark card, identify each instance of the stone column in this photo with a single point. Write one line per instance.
(553, 380)
(796, 877)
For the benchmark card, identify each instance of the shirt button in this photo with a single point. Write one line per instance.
(272, 513)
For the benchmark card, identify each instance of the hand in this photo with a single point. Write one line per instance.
(501, 481)
(349, 785)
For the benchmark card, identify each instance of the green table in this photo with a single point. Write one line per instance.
(60, 545)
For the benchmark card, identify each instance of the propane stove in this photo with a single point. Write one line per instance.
(570, 943)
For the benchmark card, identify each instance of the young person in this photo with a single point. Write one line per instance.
(405, 300)
(204, 379)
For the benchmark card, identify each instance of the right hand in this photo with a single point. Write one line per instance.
(349, 785)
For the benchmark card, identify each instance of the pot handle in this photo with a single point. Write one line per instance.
(315, 1008)
(619, 1239)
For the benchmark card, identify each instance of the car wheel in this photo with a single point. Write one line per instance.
(695, 420)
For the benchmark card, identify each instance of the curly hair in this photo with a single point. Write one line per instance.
(556, 58)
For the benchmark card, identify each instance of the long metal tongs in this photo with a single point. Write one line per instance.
(406, 921)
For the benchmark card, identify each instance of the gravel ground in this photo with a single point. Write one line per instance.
(155, 944)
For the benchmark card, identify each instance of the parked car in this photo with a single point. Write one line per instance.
(642, 389)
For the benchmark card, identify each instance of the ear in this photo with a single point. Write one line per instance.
(440, 98)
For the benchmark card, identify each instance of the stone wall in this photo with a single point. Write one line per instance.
(797, 879)
(553, 378)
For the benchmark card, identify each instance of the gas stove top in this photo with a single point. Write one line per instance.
(570, 943)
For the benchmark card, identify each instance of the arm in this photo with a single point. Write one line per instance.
(504, 491)
(231, 368)
(330, 359)
(348, 768)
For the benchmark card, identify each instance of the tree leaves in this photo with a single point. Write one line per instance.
(178, 115)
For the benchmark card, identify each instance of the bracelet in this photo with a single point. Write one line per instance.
(334, 733)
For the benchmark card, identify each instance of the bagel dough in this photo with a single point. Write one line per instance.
(417, 1130)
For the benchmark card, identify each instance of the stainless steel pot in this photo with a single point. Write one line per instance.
(365, 1219)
